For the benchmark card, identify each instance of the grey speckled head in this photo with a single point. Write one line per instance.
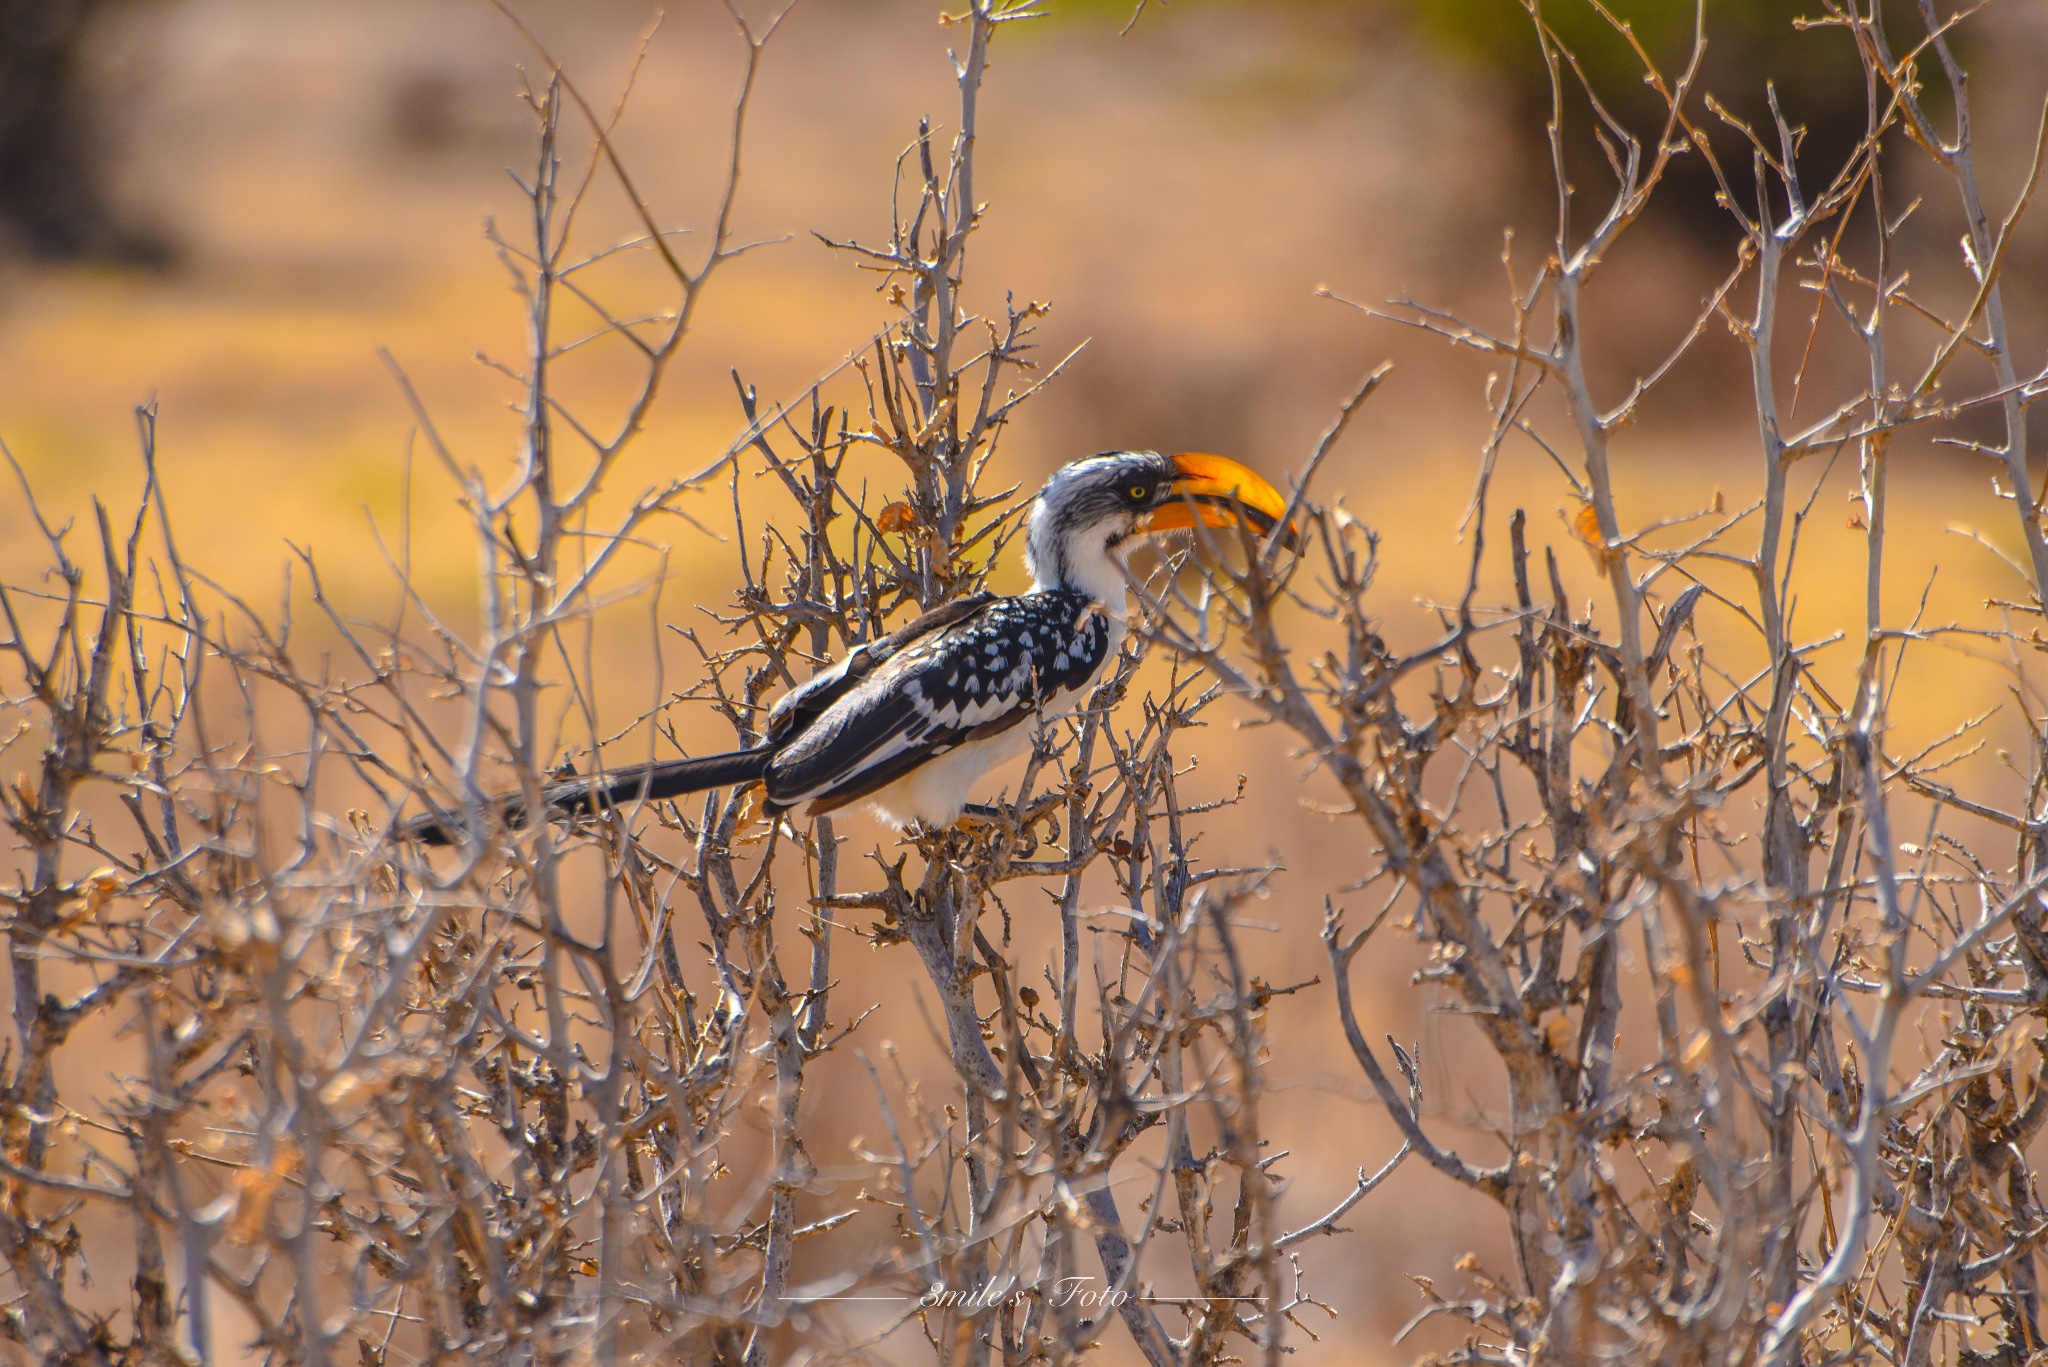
(1086, 511)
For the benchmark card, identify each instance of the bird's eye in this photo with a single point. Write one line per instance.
(1139, 493)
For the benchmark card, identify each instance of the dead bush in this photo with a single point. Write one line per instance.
(394, 1104)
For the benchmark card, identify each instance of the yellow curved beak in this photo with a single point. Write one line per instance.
(1215, 491)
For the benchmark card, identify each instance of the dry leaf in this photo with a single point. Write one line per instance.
(1682, 1188)
(343, 1085)
(94, 891)
(1586, 527)
(898, 517)
(245, 1205)
(2007, 1043)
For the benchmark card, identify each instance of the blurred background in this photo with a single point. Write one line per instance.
(230, 205)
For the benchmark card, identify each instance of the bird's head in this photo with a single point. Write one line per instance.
(1089, 509)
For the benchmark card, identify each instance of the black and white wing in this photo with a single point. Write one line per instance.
(978, 677)
(804, 704)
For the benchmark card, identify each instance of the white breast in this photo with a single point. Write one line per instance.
(937, 791)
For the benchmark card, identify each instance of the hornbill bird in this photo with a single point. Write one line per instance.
(910, 722)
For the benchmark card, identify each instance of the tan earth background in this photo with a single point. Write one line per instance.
(319, 173)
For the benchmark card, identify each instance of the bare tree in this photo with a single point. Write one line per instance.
(491, 1102)
(1754, 1170)
(384, 1103)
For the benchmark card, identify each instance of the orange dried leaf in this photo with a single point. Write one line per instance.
(898, 517)
(100, 887)
(248, 1197)
(342, 1086)
(1586, 527)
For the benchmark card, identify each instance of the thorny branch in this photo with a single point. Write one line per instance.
(553, 1096)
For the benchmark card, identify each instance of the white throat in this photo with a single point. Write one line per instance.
(1078, 563)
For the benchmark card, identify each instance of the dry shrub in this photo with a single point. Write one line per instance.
(393, 1104)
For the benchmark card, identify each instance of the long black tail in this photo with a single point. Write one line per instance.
(641, 782)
